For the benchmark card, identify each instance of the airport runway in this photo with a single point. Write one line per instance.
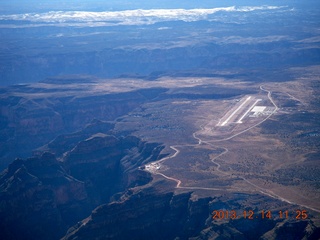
(239, 111)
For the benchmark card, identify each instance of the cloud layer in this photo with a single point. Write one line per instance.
(128, 17)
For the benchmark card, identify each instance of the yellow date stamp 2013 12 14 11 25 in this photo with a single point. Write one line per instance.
(263, 214)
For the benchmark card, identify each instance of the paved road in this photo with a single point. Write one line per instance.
(200, 141)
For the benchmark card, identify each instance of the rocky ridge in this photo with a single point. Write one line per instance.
(41, 197)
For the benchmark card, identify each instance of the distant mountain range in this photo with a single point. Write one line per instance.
(36, 45)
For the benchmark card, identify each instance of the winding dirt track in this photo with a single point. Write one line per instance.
(200, 141)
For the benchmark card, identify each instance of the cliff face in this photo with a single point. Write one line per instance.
(32, 115)
(65, 142)
(145, 214)
(108, 164)
(156, 213)
(38, 199)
